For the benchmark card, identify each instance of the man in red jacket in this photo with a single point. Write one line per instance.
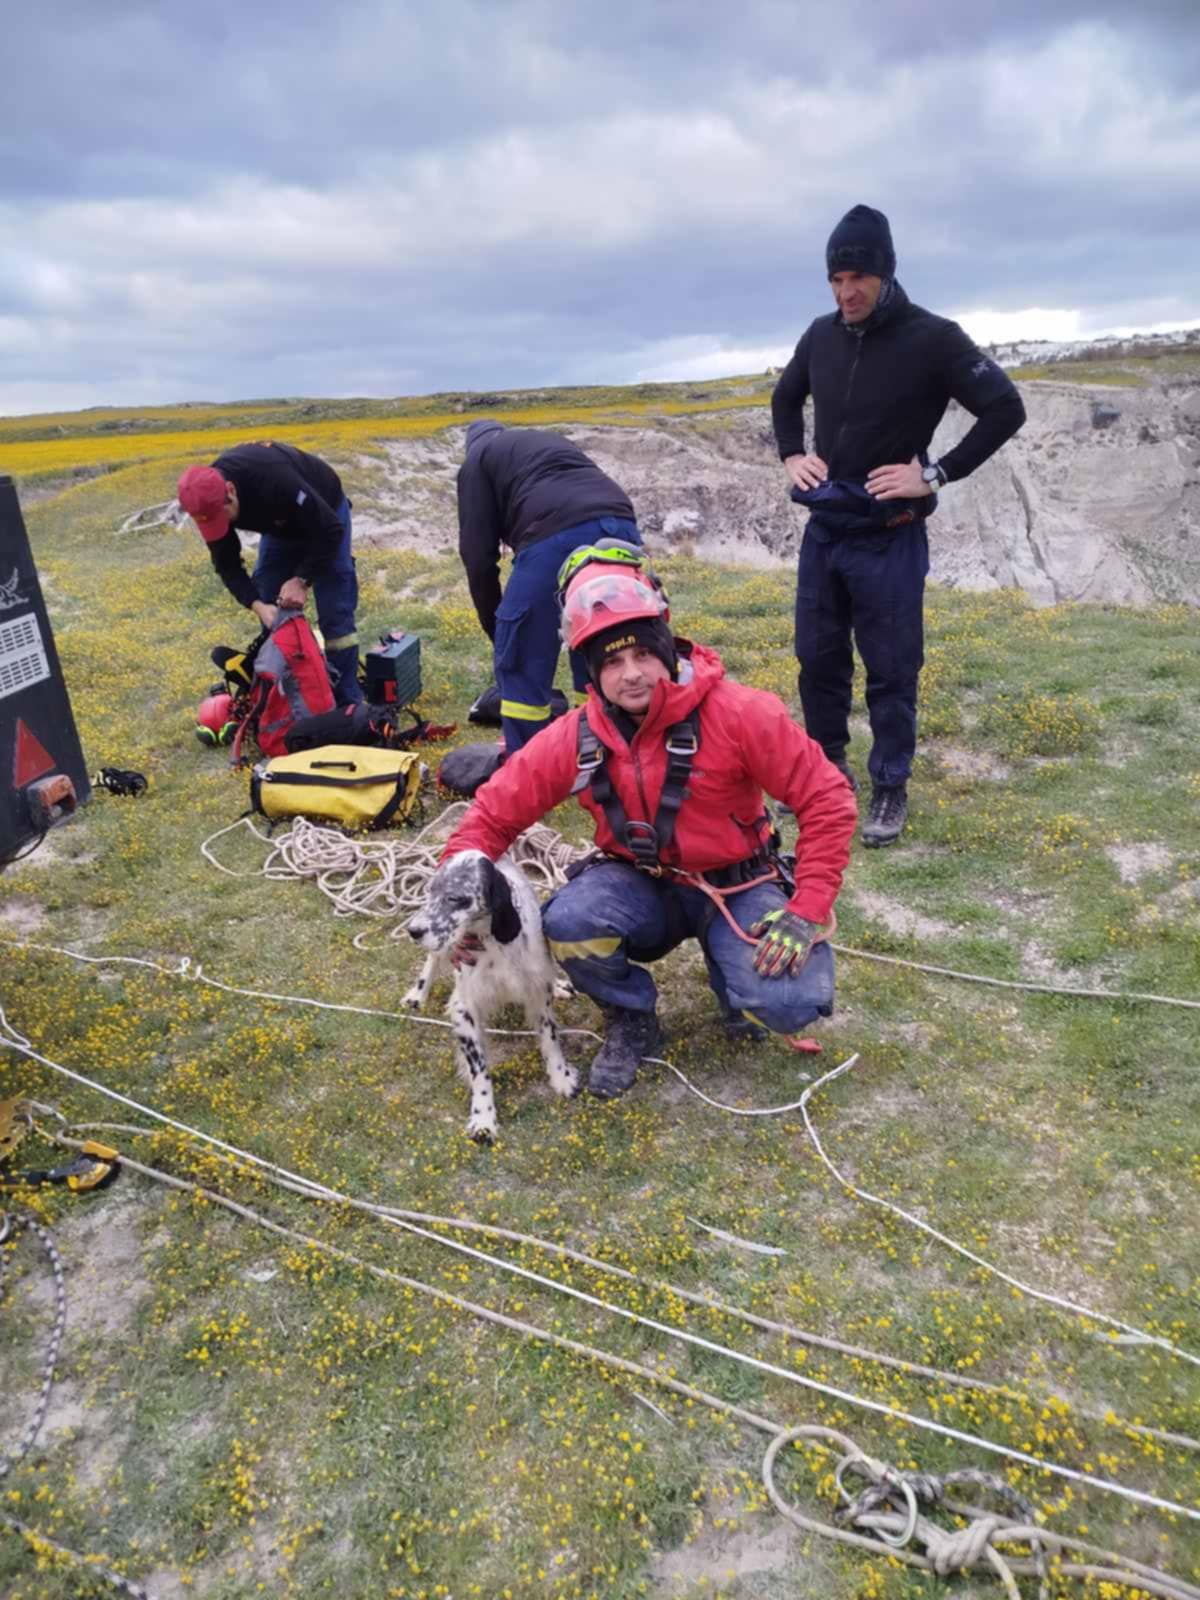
(671, 758)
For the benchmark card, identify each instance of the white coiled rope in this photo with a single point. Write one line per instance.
(386, 878)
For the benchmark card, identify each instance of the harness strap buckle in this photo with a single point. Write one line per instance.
(682, 740)
(641, 839)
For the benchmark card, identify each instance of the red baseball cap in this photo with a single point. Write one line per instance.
(202, 496)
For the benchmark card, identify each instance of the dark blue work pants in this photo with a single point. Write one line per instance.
(611, 916)
(527, 642)
(335, 590)
(869, 587)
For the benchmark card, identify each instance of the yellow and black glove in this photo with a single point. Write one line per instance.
(784, 943)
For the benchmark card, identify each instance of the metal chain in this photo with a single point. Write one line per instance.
(12, 1224)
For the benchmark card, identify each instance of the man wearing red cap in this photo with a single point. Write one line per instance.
(671, 758)
(297, 504)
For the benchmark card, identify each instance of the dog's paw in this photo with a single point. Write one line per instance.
(414, 998)
(564, 1080)
(481, 1129)
(563, 989)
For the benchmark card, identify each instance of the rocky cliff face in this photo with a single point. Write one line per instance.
(1098, 497)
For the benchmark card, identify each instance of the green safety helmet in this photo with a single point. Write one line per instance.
(606, 552)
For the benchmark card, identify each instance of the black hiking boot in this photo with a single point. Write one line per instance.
(741, 1029)
(888, 814)
(628, 1036)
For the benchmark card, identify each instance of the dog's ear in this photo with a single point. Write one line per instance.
(506, 924)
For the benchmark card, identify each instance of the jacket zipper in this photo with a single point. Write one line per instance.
(858, 342)
(637, 773)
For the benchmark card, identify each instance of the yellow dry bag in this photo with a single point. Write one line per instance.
(352, 786)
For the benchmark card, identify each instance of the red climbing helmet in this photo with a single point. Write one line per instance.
(215, 721)
(603, 594)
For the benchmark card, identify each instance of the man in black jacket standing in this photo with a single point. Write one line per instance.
(296, 502)
(881, 372)
(542, 496)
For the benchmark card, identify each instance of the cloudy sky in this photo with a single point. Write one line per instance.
(382, 197)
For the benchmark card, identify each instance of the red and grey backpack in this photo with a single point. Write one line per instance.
(290, 681)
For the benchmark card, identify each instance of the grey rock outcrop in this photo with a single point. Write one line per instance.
(1068, 511)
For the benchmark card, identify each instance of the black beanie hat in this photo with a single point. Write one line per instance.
(861, 242)
(652, 633)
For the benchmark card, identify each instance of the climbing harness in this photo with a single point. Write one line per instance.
(645, 841)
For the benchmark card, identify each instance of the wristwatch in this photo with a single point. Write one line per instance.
(935, 476)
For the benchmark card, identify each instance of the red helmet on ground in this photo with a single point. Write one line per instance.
(603, 595)
(215, 721)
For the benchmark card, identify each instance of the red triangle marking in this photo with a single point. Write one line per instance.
(31, 759)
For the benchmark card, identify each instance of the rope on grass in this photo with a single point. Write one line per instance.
(385, 878)
(889, 1513)
(706, 1302)
(343, 868)
(889, 1509)
(948, 1551)
(168, 514)
(14, 1223)
(40, 1543)
(1115, 997)
(1142, 1337)
(19, 1042)
(320, 1191)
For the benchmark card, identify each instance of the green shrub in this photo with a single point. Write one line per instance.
(1040, 724)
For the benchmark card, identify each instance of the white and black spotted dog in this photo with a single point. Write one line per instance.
(469, 895)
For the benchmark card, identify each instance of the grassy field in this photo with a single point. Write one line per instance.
(1132, 366)
(50, 448)
(237, 1415)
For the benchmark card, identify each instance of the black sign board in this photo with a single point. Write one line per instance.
(42, 775)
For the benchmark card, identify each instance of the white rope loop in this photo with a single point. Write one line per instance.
(946, 1551)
